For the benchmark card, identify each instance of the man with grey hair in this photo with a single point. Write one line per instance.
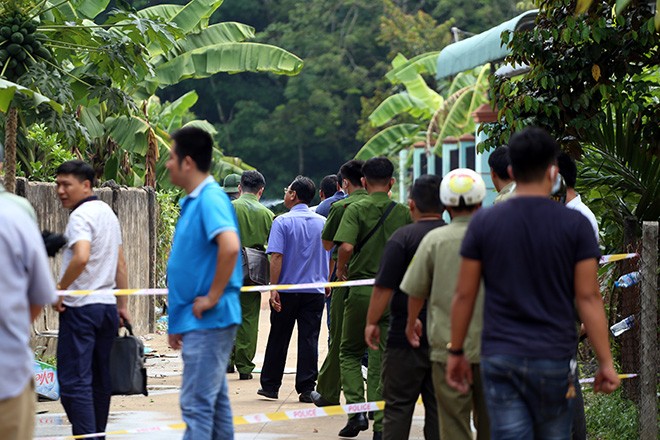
(25, 287)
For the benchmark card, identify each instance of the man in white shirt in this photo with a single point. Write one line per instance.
(93, 260)
(568, 170)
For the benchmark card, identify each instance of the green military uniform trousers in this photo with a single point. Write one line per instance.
(352, 349)
(245, 345)
(329, 380)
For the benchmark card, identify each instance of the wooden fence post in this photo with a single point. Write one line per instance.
(648, 347)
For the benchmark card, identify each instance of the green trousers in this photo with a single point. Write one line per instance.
(454, 408)
(328, 383)
(245, 345)
(352, 349)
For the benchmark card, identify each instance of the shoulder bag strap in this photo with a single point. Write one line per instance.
(360, 245)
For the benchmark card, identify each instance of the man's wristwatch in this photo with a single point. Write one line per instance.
(454, 351)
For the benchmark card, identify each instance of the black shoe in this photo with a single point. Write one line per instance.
(267, 394)
(378, 435)
(355, 424)
(230, 369)
(319, 401)
(244, 376)
(306, 397)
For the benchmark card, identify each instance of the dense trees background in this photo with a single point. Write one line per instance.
(311, 123)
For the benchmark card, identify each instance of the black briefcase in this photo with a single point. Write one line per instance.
(256, 268)
(127, 370)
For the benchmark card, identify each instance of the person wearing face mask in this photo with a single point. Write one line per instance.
(539, 262)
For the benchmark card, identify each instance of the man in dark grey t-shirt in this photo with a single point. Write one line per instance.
(538, 260)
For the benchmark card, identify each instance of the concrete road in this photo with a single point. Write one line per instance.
(161, 406)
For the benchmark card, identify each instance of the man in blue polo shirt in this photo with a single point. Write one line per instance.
(204, 280)
(297, 256)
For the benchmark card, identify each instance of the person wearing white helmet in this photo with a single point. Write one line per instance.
(539, 263)
(432, 276)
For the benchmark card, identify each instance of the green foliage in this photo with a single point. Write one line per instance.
(593, 84)
(50, 153)
(577, 66)
(168, 213)
(611, 417)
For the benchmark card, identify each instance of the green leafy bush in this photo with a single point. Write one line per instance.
(50, 153)
(610, 417)
(168, 213)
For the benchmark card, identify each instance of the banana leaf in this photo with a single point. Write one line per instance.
(396, 105)
(390, 141)
(424, 63)
(231, 58)
(8, 89)
(220, 33)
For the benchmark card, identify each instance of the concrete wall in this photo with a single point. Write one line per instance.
(136, 210)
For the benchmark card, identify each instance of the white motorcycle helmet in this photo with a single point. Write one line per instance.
(462, 183)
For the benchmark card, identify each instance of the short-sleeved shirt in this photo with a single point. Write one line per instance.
(528, 248)
(337, 211)
(506, 192)
(398, 253)
(324, 207)
(205, 213)
(94, 221)
(578, 205)
(254, 221)
(297, 236)
(432, 275)
(360, 217)
(25, 279)
(18, 200)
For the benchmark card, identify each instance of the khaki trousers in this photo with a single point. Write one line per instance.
(17, 415)
(454, 408)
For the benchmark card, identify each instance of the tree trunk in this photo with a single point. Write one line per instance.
(10, 149)
(152, 157)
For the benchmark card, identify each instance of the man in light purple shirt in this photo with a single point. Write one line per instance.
(297, 256)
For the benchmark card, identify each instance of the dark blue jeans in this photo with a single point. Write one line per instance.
(526, 398)
(84, 342)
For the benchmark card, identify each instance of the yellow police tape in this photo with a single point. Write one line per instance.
(138, 292)
(320, 285)
(296, 414)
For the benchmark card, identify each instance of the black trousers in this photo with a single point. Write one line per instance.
(85, 339)
(305, 309)
(407, 374)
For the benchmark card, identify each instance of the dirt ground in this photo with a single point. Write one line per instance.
(161, 407)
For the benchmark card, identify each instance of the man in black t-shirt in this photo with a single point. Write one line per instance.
(407, 371)
(538, 260)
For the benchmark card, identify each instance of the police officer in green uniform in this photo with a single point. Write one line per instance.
(364, 229)
(254, 222)
(328, 386)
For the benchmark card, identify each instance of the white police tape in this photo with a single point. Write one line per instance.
(616, 257)
(296, 414)
(142, 292)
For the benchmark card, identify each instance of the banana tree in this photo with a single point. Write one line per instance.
(198, 51)
(425, 115)
(114, 67)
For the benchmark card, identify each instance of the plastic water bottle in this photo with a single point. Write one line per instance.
(627, 280)
(623, 326)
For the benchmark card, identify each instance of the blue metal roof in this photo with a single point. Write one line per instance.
(482, 48)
